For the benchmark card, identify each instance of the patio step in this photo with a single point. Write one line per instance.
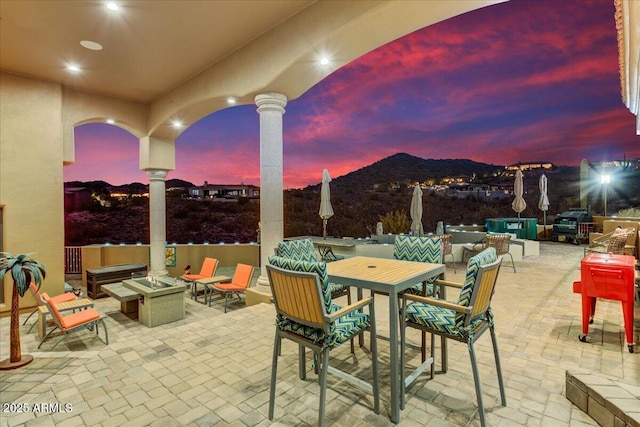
(608, 400)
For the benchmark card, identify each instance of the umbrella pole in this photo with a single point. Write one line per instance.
(324, 229)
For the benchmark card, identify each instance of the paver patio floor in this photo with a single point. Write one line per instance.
(214, 369)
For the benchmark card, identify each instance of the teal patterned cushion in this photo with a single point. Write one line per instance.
(439, 318)
(449, 321)
(342, 329)
(419, 249)
(301, 249)
(320, 268)
(485, 257)
(417, 289)
(336, 288)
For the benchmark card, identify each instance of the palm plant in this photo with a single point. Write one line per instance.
(24, 270)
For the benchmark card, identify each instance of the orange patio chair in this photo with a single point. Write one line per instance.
(209, 266)
(238, 284)
(88, 318)
(66, 301)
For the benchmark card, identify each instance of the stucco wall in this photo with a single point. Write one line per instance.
(31, 179)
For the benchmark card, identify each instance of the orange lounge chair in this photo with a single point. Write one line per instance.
(88, 318)
(62, 300)
(208, 269)
(238, 285)
(38, 297)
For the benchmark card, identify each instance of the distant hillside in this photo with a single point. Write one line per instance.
(405, 167)
(357, 202)
(88, 184)
(174, 183)
(138, 186)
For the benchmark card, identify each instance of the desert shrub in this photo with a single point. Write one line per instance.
(629, 213)
(395, 222)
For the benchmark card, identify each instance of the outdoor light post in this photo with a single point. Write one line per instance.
(605, 179)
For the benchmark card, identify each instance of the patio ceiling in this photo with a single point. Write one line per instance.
(188, 56)
(149, 46)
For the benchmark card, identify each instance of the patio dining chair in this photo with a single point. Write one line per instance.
(208, 269)
(327, 255)
(465, 320)
(303, 250)
(501, 244)
(419, 249)
(85, 319)
(614, 242)
(447, 247)
(306, 315)
(238, 285)
(499, 241)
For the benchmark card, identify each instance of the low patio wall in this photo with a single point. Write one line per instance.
(228, 255)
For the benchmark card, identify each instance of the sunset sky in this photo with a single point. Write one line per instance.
(527, 80)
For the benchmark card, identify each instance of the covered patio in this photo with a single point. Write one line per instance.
(213, 369)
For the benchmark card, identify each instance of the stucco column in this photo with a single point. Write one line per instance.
(271, 108)
(157, 221)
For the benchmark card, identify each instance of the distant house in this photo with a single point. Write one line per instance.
(530, 166)
(125, 192)
(461, 179)
(478, 191)
(76, 198)
(221, 192)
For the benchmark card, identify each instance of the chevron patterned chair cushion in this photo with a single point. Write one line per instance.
(447, 320)
(342, 329)
(301, 249)
(336, 288)
(419, 249)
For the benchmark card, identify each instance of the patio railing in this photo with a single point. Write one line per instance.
(72, 260)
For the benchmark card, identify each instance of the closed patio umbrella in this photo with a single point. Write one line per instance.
(518, 203)
(416, 212)
(326, 210)
(543, 204)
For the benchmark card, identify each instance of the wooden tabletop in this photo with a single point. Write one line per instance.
(381, 273)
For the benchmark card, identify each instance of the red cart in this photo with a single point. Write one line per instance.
(606, 276)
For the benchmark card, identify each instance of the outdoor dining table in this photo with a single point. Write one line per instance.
(389, 276)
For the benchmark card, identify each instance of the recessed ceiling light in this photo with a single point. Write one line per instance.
(324, 61)
(73, 68)
(91, 45)
(111, 5)
(111, 121)
(176, 124)
(231, 100)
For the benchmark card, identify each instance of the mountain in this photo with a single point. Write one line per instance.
(405, 167)
(89, 184)
(357, 202)
(178, 183)
(137, 186)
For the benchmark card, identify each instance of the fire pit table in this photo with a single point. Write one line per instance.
(161, 299)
